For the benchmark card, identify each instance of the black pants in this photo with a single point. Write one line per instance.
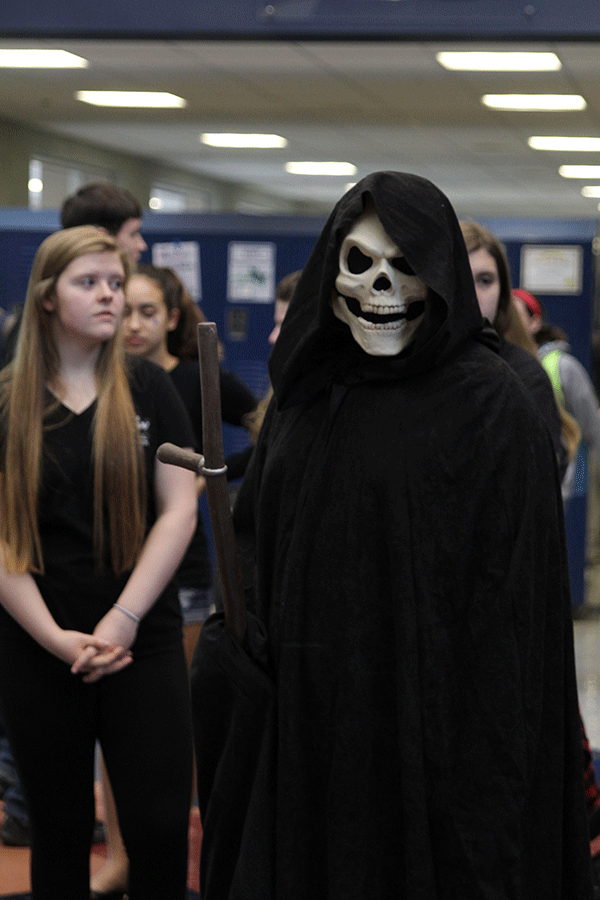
(142, 718)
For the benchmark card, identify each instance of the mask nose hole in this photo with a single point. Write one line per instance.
(382, 284)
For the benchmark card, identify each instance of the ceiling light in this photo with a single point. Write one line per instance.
(579, 171)
(41, 59)
(592, 190)
(145, 99)
(498, 61)
(534, 102)
(320, 168)
(576, 144)
(244, 141)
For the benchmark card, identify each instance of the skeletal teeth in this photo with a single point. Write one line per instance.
(387, 326)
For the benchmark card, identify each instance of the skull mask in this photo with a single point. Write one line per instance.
(377, 293)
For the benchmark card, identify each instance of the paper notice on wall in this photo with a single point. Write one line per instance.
(551, 269)
(250, 272)
(184, 258)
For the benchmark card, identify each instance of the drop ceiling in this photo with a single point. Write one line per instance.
(387, 105)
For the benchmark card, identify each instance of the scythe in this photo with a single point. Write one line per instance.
(232, 690)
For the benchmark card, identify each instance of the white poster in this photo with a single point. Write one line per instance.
(250, 272)
(551, 269)
(184, 258)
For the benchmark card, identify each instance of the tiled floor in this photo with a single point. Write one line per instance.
(14, 868)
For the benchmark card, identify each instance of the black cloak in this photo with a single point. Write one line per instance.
(405, 521)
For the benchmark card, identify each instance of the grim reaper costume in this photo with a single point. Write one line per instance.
(403, 514)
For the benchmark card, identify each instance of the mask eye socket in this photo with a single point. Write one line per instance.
(401, 264)
(358, 262)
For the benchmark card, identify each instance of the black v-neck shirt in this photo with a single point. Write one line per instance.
(75, 592)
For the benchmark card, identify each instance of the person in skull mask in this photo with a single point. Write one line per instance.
(403, 512)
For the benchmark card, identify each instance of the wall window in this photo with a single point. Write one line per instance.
(50, 181)
(169, 199)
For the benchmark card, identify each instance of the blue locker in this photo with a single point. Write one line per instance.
(244, 327)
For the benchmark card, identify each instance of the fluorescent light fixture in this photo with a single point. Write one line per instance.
(579, 171)
(573, 144)
(498, 61)
(244, 141)
(592, 190)
(41, 59)
(535, 102)
(130, 99)
(320, 168)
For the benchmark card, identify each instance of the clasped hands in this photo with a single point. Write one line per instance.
(104, 652)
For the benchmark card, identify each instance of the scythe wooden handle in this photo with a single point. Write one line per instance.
(177, 456)
(212, 466)
(216, 482)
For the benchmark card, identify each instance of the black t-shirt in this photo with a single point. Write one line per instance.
(74, 591)
(236, 400)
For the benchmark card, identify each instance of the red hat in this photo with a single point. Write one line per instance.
(530, 302)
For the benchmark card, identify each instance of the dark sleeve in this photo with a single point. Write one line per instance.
(158, 403)
(236, 398)
(185, 377)
(173, 420)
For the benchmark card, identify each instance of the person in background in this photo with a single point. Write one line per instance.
(571, 382)
(112, 208)
(283, 295)
(15, 830)
(93, 528)
(491, 275)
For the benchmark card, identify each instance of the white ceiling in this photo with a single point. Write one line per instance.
(377, 105)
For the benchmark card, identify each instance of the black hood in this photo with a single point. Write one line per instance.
(314, 348)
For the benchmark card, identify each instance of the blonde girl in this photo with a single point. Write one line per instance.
(92, 528)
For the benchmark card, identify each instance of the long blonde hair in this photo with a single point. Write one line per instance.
(119, 477)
